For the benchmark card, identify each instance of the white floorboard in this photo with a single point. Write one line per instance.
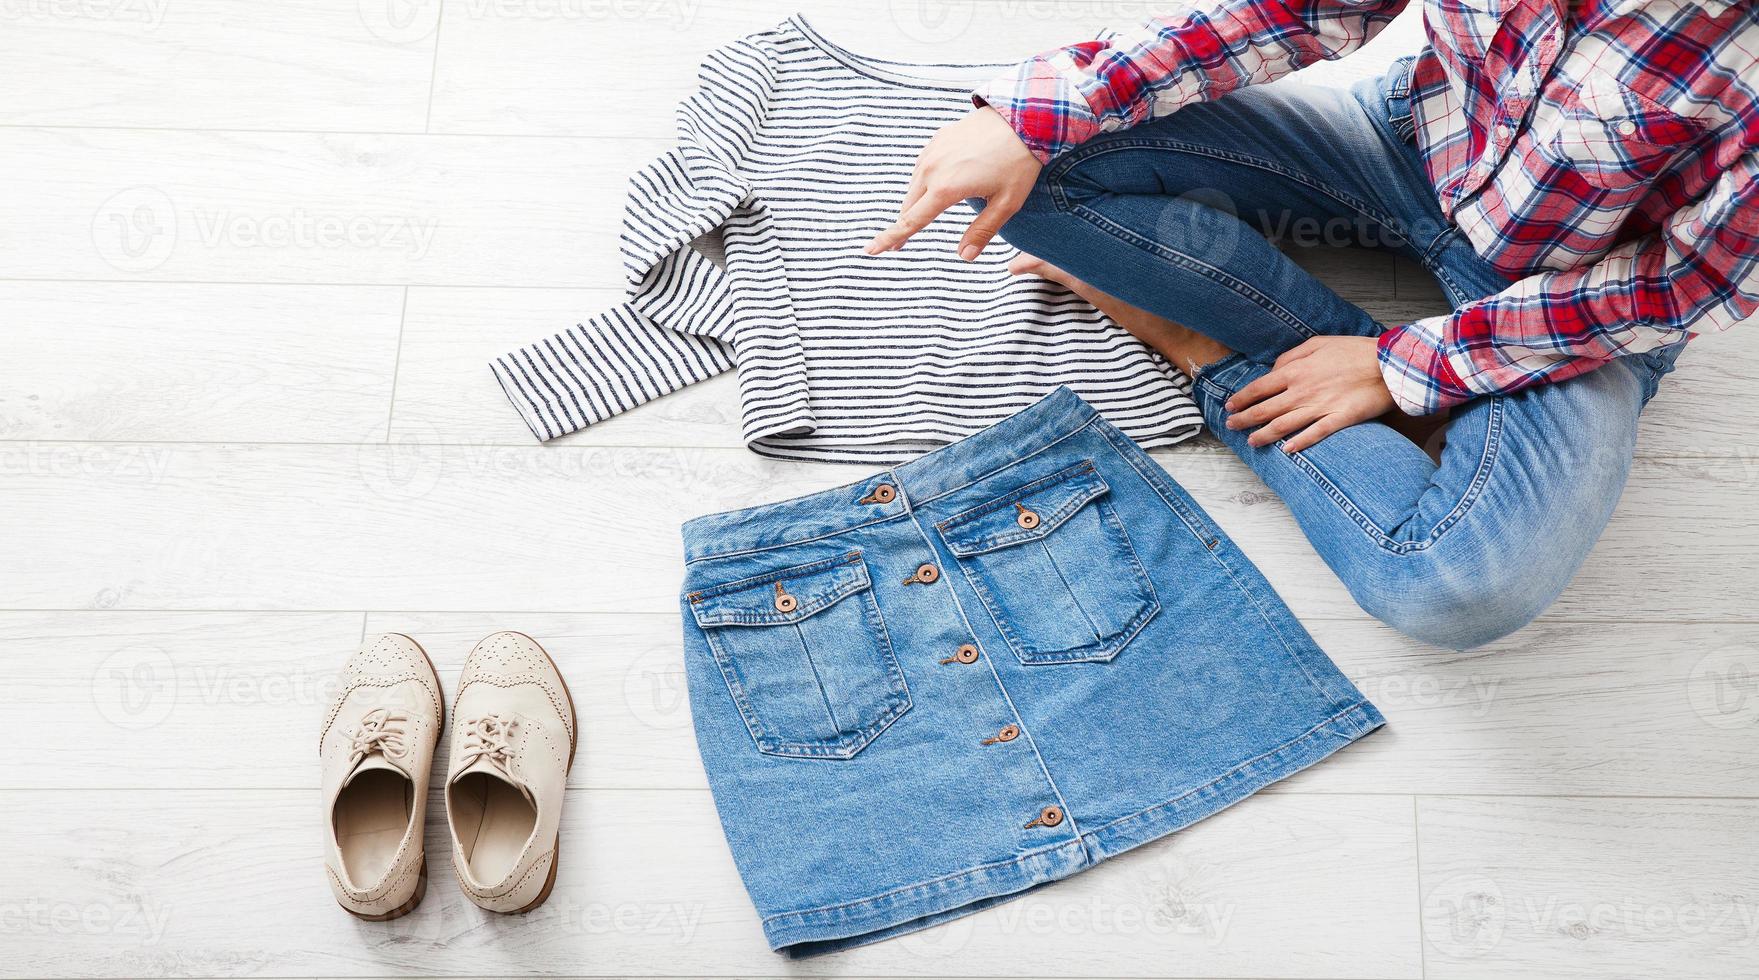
(424, 525)
(1559, 888)
(1593, 709)
(130, 362)
(216, 64)
(647, 886)
(253, 260)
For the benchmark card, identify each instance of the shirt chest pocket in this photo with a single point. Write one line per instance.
(806, 657)
(1611, 137)
(1054, 566)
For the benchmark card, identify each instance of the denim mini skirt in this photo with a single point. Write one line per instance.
(986, 669)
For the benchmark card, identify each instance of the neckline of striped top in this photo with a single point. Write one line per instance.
(903, 74)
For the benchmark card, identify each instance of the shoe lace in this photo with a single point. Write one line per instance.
(380, 730)
(488, 737)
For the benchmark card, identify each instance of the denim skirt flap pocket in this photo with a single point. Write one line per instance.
(806, 657)
(1053, 564)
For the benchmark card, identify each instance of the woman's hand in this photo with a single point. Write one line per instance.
(1320, 387)
(978, 156)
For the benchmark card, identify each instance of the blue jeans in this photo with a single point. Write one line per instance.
(986, 669)
(1171, 216)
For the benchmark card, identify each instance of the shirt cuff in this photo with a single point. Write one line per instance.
(1033, 101)
(1040, 149)
(1416, 372)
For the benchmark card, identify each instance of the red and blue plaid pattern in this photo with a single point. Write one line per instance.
(1604, 154)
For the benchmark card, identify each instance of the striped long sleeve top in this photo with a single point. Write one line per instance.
(797, 151)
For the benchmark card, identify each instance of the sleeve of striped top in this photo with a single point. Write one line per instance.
(673, 330)
(625, 356)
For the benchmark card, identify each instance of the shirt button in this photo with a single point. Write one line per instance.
(1626, 127)
(1007, 734)
(1503, 132)
(1050, 816)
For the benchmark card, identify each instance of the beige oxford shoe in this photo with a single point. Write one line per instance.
(375, 750)
(513, 739)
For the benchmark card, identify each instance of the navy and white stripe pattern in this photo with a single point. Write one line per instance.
(797, 152)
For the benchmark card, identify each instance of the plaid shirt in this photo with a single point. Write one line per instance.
(1604, 154)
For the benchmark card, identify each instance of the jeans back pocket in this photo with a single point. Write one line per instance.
(1054, 565)
(806, 657)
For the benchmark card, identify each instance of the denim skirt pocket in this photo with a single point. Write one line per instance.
(1053, 564)
(806, 656)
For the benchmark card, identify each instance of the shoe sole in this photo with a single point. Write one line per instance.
(573, 744)
(421, 881)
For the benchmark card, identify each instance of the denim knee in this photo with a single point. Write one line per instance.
(1041, 228)
(1454, 607)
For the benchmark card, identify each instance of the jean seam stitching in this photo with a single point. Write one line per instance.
(1481, 477)
(1014, 709)
(1192, 523)
(1359, 707)
(1336, 494)
(914, 504)
(1192, 264)
(1355, 707)
(1364, 208)
(1216, 555)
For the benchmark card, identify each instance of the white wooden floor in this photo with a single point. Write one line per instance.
(252, 259)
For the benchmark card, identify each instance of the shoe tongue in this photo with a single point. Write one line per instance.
(372, 763)
(487, 768)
